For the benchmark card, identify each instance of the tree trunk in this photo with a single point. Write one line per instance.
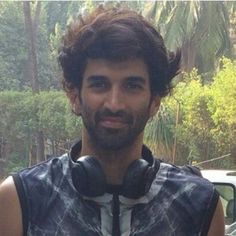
(2, 169)
(189, 56)
(31, 42)
(32, 152)
(175, 137)
(40, 146)
(31, 32)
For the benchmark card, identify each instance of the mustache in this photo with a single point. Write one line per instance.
(104, 113)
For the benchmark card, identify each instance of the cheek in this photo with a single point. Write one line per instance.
(88, 110)
(141, 112)
(143, 105)
(91, 100)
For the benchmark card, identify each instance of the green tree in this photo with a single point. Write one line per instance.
(194, 140)
(199, 28)
(23, 113)
(223, 107)
(159, 132)
(12, 51)
(54, 119)
(16, 124)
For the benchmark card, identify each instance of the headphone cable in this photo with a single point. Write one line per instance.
(116, 215)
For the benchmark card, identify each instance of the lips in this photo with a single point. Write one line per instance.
(113, 122)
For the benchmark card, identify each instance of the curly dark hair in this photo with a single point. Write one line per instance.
(116, 34)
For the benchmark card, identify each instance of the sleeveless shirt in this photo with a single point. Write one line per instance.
(178, 203)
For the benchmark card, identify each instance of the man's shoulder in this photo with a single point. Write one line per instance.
(182, 176)
(186, 186)
(10, 209)
(44, 175)
(49, 165)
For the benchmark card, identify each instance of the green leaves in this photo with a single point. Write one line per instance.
(200, 28)
(224, 93)
(22, 113)
(159, 131)
(199, 121)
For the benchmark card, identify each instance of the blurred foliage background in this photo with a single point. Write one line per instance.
(197, 123)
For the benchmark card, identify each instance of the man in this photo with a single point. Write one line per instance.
(116, 70)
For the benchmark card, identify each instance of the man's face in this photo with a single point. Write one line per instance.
(115, 102)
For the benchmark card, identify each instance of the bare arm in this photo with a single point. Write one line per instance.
(217, 224)
(10, 210)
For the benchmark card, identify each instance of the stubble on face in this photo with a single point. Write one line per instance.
(115, 103)
(113, 139)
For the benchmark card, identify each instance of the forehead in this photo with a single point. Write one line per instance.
(116, 69)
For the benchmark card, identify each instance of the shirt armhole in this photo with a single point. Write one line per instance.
(210, 213)
(23, 202)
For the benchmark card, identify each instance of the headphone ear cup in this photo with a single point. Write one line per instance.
(134, 182)
(88, 177)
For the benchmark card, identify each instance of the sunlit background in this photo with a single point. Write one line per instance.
(196, 125)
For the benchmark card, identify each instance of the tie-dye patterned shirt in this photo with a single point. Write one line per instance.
(177, 204)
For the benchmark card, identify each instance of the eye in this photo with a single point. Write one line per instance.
(135, 83)
(132, 85)
(98, 84)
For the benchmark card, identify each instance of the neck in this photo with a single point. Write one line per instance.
(114, 163)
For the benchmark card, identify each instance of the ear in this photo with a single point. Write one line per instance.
(73, 96)
(154, 105)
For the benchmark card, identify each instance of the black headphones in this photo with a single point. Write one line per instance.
(89, 179)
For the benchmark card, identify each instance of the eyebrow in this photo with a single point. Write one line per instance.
(93, 78)
(129, 79)
(136, 79)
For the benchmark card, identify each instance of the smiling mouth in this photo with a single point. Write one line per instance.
(113, 122)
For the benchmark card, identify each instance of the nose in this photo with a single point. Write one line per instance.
(115, 100)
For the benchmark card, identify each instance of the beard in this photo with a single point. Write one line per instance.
(113, 139)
